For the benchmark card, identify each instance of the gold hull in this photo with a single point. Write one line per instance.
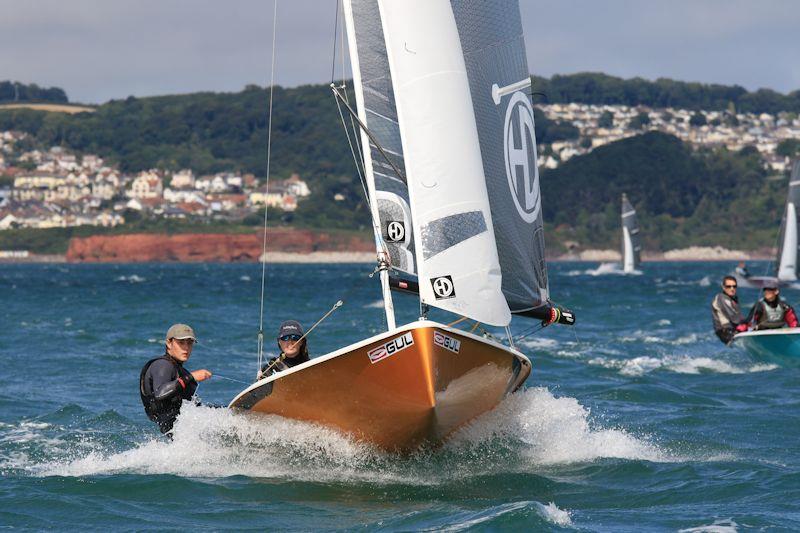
(414, 385)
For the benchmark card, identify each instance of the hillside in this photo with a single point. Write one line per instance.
(682, 197)
(676, 188)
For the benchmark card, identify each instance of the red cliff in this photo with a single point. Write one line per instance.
(201, 247)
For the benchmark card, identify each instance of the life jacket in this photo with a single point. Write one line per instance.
(164, 412)
(772, 317)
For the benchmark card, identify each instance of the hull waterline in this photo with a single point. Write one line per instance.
(411, 386)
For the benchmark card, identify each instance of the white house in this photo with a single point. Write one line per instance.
(146, 185)
(183, 179)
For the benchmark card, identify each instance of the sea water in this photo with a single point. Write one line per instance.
(637, 418)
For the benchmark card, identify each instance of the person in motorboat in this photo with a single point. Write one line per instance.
(726, 313)
(741, 269)
(293, 348)
(770, 312)
(164, 382)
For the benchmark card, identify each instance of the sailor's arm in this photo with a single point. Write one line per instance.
(790, 317)
(166, 382)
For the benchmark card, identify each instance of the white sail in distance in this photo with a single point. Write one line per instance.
(631, 247)
(788, 241)
(457, 260)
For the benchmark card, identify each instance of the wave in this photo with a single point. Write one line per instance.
(719, 526)
(639, 366)
(550, 430)
(485, 518)
(133, 278)
(605, 269)
(526, 431)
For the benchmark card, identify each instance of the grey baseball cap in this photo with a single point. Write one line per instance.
(180, 331)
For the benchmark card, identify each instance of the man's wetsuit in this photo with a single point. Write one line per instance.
(726, 315)
(163, 385)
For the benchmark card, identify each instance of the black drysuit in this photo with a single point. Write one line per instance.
(163, 385)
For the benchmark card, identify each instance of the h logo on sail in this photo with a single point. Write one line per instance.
(395, 231)
(520, 154)
(443, 287)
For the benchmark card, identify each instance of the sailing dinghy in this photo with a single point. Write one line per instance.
(771, 344)
(449, 158)
(786, 258)
(631, 246)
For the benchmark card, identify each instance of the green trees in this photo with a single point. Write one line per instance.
(12, 91)
(698, 119)
(683, 198)
(606, 120)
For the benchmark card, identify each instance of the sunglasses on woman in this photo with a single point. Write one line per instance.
(293, 337)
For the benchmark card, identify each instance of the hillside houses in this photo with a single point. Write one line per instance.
(63, 189)
(698, 128)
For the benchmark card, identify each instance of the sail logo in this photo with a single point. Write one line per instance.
(443, 287)
(395, 231)
(448, 343)
(519, 140)
(395, 345)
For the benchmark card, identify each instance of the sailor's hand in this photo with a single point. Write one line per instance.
(201, 375)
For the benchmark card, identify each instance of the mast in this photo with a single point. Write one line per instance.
(383, 260)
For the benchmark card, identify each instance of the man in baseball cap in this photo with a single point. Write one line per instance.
(164, 383)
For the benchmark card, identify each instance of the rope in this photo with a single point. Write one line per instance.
(230, 379)
(269, 156)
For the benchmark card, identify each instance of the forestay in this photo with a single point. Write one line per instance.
(457, 260)
(631, 247)
(788, 241)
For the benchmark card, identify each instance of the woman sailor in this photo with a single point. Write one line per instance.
(293, 346)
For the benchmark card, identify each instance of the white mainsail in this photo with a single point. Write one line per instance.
(631, 248)
(787, 250)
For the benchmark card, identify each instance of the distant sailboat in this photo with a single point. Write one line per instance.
(786, 258)
(449, 156)
(631, 246)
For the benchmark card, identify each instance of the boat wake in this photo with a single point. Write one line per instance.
(529, 431)
(605, 269)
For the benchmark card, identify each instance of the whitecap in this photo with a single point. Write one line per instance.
(719, 526)
(554, 430)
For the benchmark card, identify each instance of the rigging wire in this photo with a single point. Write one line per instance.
(269, 156)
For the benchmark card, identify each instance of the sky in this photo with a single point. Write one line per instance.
(98, 50)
